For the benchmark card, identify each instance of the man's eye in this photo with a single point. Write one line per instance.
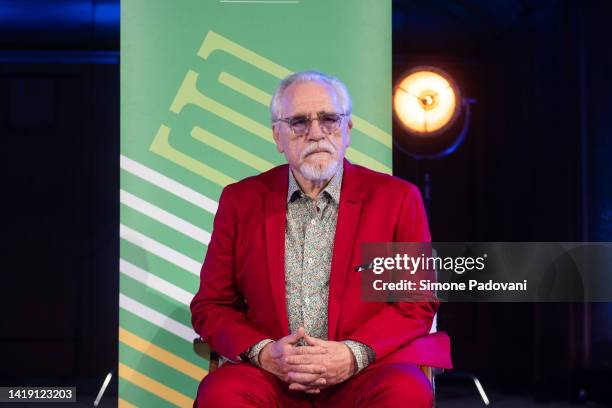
(299, 122)
(330, 119)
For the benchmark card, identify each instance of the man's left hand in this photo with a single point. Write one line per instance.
(339, 361)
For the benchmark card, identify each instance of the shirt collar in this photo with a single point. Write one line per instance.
(333, 187)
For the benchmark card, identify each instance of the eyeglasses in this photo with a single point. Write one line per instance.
(328, 122)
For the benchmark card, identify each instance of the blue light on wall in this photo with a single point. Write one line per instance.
(107, 12)
(39, 15)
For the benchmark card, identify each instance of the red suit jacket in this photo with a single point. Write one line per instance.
(241, 299)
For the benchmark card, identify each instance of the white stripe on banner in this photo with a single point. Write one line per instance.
(155, 282)
(164, 217)
(168, 184)
(158, 319)
(160, 250)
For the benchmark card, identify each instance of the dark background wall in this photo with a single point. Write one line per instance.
(535, 166)
(59, 126)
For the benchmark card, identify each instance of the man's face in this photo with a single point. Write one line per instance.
(315, 155)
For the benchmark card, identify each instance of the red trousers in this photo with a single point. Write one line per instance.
(380, 385)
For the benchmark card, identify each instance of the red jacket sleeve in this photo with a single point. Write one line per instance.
(399, 323)
(217, 310)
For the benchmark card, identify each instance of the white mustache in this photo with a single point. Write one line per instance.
(321, 147)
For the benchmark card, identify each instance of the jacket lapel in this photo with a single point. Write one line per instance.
(275, 214)
(346, 227)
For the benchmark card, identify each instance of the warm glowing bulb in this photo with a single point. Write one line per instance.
(425, 102)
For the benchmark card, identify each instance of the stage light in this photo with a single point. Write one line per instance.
(431, 116)
(426, 101)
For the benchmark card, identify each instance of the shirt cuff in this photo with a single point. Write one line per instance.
(253, 352)
(364, 355)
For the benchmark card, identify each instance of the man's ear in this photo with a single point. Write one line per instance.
(349, 126)
(277, 138)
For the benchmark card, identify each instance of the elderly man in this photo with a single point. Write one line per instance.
(279, 295)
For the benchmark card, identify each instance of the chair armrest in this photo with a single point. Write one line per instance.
(428, 371)
(203, 350)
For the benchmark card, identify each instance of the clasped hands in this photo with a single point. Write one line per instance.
(310, 368)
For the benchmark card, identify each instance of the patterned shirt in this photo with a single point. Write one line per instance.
(309, 244)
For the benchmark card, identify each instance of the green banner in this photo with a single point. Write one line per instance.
(196, 80)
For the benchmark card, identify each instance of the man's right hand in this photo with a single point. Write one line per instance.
(273, 358)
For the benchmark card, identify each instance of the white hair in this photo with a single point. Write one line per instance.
(344, 99)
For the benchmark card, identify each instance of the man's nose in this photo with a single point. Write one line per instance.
(315, 133)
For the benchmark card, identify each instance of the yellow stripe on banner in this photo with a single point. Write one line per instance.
(154, 387)
(189, 94)
(160, 354)
(214, 41)
(230, 149)
(370, 130)
(124, 404)
(356, 156)
(161, 146)
(245, 88)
